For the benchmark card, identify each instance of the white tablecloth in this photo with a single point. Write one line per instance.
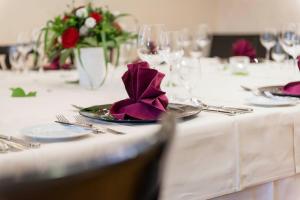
(212, 155)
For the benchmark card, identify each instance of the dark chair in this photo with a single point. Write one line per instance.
(132, 174)
(4, 50)
(222, 45)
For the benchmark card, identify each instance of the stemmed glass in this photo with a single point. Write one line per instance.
(15, 59)
(25, 45)
(190, 76)
(172, 52)
(186, 40)
(277, 53)
(268, 40)
(150, 42)
(202, 37)
(290, 41)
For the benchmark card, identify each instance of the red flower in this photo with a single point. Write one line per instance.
(70, 37)
(97, 16)
(117, 26)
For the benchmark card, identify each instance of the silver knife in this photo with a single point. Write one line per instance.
(94, 130)
(20, 141)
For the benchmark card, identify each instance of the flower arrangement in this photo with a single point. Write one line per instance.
(84, 26)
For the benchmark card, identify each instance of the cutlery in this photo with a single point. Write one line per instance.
(81, 120)
(258, 92)
(221, 109)
(3, 147)
(14, 146)
(63, 120)
(268, 94)
(19, 141)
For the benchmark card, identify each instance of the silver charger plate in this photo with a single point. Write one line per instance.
(101, 112)
(276, 90)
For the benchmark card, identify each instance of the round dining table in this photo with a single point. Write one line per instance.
(214, 156)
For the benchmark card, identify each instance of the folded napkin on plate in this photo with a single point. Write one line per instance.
(292, 88)
(243, 47)
(146, 100)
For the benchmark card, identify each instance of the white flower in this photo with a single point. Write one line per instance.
(82, 12)
(83, 31)
(59, 39)
(90, 22)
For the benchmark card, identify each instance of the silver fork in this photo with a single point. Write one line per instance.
(81, 120)
(231, 111)
(63, 120)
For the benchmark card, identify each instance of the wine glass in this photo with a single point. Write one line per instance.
(128, 50)
(290, 41)
(186, 40)
(202, 37)
(172, 52)
(190, 76)
(150, 42)
(277, 53)
(25, 46)
(15, 59)
(268, 40)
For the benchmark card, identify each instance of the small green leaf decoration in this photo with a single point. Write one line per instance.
(31, 94)
(241, 73)
(19, 92)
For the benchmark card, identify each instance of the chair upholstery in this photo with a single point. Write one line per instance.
(135, 175)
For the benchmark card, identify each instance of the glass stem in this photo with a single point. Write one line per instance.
(268, 55)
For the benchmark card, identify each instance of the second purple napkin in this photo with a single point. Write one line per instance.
(146, 99)
(243, 47)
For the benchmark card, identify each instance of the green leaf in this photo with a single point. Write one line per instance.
(241, 73)
(31, 94)
(19, 92)
(64, 55)
(92, 41)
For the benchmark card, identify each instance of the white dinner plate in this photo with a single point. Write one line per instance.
(269, 102)
(54, 132)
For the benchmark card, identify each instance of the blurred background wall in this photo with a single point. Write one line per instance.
(223, 16)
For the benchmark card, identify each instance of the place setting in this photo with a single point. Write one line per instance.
(138, 100)
(274, 96)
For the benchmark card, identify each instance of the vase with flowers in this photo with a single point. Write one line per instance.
(90, 34)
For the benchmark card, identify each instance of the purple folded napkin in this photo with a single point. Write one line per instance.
(292, 88)
(243, 47)
(146, 100)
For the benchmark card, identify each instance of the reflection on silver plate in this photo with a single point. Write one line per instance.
(276, 90)
(101, 112)
(54, 132)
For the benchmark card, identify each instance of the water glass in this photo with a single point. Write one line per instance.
(151, 40)
(290, 41)
(268, 40)
(238, 64)
(277, 53)
(190, 76)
